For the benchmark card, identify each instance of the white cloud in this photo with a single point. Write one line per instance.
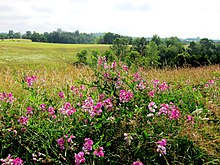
(182, 18)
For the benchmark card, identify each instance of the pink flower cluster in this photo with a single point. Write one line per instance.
(125, 96)
(67, 109)
(23, 120)
(169, 109)
(65, 140)
(9, 160)
(162, 87)
(61, 95)
(88, 106)
(29, 110)
(51, 111)
(87, 147)
(79, 158)
(9, 98)
(161, 146)
(30, 80)
(138, 163)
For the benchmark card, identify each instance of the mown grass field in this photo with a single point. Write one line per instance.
(24, 52)
(189, 88)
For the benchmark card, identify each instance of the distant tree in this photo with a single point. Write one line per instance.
(156, 39)
(17, 35)
(27, 35)
(11, 34)
(139, 45)
(120, 47)
(108, 38)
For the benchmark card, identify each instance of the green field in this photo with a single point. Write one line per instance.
(24, 52)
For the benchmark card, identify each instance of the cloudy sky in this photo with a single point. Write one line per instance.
(166, 18)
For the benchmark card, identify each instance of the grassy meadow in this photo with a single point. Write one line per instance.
(52, 112)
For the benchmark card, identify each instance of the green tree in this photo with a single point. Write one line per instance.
(139, 45)
(152, 54)
(120, 47)
(10, 34)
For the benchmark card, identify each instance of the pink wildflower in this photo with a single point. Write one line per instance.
(70, 139)
(151, 93)
(125, 67)
(99, 152)
(125, 96)
(152, 106)
(51, 111)
(211, 82)
(156, 82)
(138, 163)
(29, 110)
(175, 113)
(61, 143)
(67, 109)
(162, 142)
(87, 146)
(10, 161)
(101, 97)
(161, 147)
(98, 108)
(30, 80)
(114, 64)
(43, 107)
(163, 86)
(61, 94)
(190, 119)
(108, 104)
(79, 158)
(23, 120)
(17, 161)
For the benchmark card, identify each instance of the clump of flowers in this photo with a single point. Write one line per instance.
(61, 95)
(87, 146)
(30, 80)
(99, 152)
(169, 109)
(161, 147)
(29, 110)
(8, 98)
(61, 142)
(163, 86)
(125, 96)
(9, 160)
(67, 109)
(51, 111)
(79, 158)
(23, 120)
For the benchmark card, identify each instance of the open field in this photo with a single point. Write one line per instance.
(182, 129)
(24, 52)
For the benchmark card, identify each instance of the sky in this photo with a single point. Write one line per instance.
(136, 18)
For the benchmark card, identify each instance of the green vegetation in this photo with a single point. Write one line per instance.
(22, 52)
(54, 112)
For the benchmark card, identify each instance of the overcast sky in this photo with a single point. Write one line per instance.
(137, 18)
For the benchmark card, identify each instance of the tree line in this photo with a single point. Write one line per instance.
(60, 36)
(157, 52)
